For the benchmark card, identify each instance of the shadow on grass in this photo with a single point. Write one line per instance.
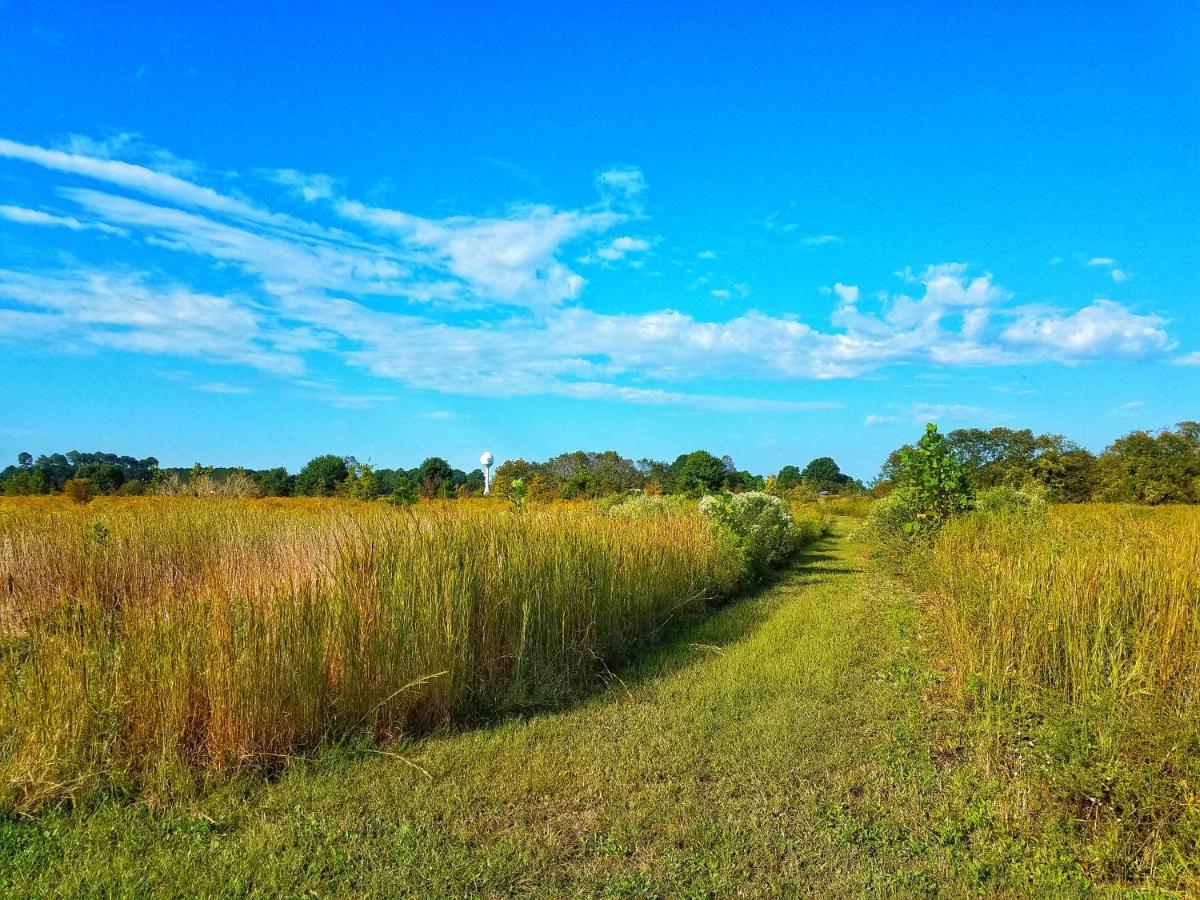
(680, 643)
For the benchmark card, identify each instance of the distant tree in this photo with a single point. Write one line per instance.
(1145, 468)
(107, 478)
(361, 483)
(697, 473)
(275, 482)
(434, 477)
(788, 477)
(824, 474)
(474, 481)
(25, 460)
(21, 482)
(404, 491)
(542, 489)
(133, 488)
(321, 476)
(509, 471)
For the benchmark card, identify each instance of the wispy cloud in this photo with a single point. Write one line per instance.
(220, 387)
(820, 240)
(919, 413)
(23, 216)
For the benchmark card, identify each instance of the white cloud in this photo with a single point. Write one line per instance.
(23, 216)
(311, 187)
(485, 305)
(1119, 275)
(76, 309)
(1189, 359)
(220, 387)
(820, 240)
(1102, 261)
(707, 254)
(1103, 329)
(847, 292)
(619, 248)
(438, 414)
(876, 419)
(624, 182)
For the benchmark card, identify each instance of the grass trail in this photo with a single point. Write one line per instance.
(780, 747)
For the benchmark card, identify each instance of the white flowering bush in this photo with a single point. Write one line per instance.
(759, 523)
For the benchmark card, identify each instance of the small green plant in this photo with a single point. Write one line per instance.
(518, 494)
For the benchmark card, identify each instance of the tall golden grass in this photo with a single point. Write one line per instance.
(1077, 633)
(1084, 600)
(148, 641)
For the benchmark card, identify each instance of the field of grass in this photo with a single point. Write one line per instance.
(1075, 637)
(1017, 718)
(150, 641)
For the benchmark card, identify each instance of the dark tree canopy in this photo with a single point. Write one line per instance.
(322, 476)
(824, 473)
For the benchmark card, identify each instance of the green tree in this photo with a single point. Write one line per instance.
(933, 482)
(361, 484)
(404, 491)
(1145, 468)
(275, 482)
(824, 474)
(697, 473)
(432, 475)
(788, 477)
(322, 476)
(106, 477)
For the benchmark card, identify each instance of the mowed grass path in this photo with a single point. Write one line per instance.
(780, 747)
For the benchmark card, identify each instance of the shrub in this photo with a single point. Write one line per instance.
(760, 525)
(79, 490)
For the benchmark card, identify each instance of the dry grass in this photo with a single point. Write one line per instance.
(1076, 633)
(151, 640)
(1086, 600)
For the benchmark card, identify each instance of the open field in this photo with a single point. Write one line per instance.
(1014, 713)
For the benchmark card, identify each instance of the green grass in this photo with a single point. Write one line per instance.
(787, 745)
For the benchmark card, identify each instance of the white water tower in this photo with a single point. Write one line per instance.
(486, 461)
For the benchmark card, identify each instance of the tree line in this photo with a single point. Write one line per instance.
(1141, 467)
(578, 475)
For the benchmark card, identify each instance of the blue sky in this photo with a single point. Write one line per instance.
(251, 233)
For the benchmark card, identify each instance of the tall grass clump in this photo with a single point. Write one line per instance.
(1076, 632)
(150, 643)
